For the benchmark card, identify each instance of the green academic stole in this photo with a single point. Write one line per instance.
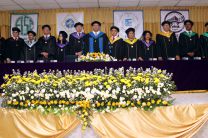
(189, 34)
(205, 34)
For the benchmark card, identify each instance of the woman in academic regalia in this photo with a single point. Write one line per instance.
(131, 48)
(204, 43)
(30, 48)
(147, 47)
(62, 45)
(167, 45)
(116, 43)
(2, 46)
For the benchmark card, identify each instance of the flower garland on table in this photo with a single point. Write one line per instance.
(95, 57)
(83, 92)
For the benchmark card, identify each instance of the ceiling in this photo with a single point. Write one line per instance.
(59, 4)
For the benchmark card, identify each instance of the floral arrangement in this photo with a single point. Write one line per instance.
(95, 57)
(84, 92)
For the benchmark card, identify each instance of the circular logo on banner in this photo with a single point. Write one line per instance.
(69, 23)
(24, 23)
(177, 21)
(128, 20)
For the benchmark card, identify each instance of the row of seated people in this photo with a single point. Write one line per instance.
(47, 48)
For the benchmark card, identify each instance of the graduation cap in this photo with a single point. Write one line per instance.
(130, 30)
(114, 27)
(96, 22)
(166, 22)
(64, 34)
(76, 24)
(16, 29)
(31, 32)
(188, 21)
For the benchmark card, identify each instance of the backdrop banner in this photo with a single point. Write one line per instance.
(25, 22)
(176, 17)
(65, 21)
(127, 19)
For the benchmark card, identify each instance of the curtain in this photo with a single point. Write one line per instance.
(164, 122)
(105, 16)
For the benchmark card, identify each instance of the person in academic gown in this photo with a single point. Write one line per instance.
(166, 43)
(204, 42)
(76, 40)
(116, 43)
(2, 46)
(14, 46)
(131, 46)
(147, 47)
(30, 47)
(62, 45)
(46, 45)
(96, 41)
(189, 42)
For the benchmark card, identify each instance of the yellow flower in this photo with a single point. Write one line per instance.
(102, 104)
(159, 101)
(152, 101)
(109, 103)
(156, 80)
(98, 104)
(138, 102)
(165, 102)
(128, 102)
(148, 103)
(9, 102)
(113, 104)
(21, 103)
(147, 81)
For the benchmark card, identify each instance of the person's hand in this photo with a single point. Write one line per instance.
(78, 54)
(177, 57)
(160, 58)
(8, 60)
(125, 59)
(45, 54)
(191, 54)
(140, 59)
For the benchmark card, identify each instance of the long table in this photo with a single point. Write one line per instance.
(188, 75)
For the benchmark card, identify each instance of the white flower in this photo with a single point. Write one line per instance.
(57, 95)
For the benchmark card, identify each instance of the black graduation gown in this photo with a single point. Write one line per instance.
(2, 46)
(14, 49)
(147, 52)
(116, 48)
(62, 51)
(131, 50)
(204, 45)
(30, 53)
(92, 43)
(189, 44)
(48, 46)
(76, 43)
(167, 47)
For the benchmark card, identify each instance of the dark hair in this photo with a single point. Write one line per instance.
(130, 30)
(46, 26)
(146, 32)
(16, 29)
(188, 21)
(166, 22)
(31, 32)
(64, 35)
(206, 24)
(76, 24)
(95, 22)
(114, 27)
